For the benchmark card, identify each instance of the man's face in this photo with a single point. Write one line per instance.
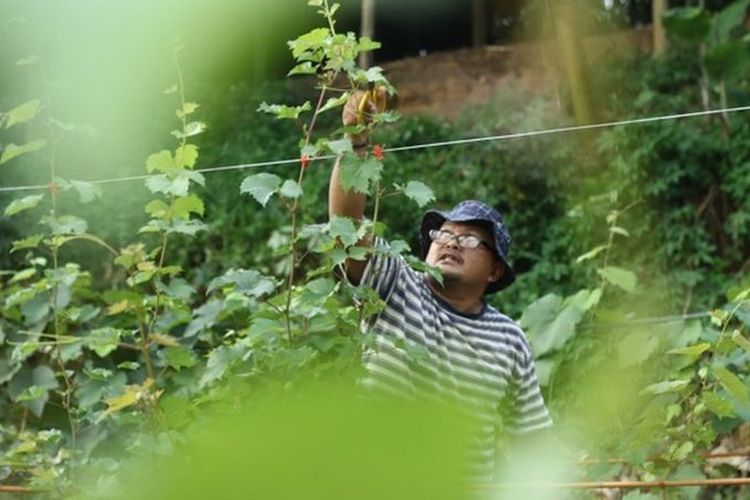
(466, 266)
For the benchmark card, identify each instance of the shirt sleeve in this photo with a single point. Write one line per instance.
(383, 271)
(529, 413)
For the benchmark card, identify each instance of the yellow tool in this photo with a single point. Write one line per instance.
(375, 96)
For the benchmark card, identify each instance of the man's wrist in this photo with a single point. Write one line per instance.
(360, 143)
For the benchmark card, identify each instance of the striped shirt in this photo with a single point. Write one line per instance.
(423, 348)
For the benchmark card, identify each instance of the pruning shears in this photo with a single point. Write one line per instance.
(375, 97)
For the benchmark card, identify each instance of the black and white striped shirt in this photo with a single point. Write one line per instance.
(425, 348)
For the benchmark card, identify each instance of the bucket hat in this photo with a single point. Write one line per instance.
(475, 212)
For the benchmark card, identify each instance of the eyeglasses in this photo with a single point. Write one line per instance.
(443, 237)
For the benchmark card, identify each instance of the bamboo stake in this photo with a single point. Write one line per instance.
(20, 489)
(737, 481)
(707, 456)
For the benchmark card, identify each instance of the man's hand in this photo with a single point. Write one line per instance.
(360, 109)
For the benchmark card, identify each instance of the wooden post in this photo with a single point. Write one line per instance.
(573, 60)
(478, 23)
(658, 7)
(367, 28)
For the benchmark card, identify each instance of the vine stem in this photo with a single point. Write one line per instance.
(294, 210)
(376, 209)
(379, 193)
(145, 343)
(144, 347)
(329, 17)
(67, 394)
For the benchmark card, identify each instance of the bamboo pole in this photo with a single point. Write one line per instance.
(706, 456)
(20, 489)
(736, 481)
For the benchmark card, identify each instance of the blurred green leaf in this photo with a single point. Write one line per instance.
(183, 206)
(29, 242)
(335, 102)
(247, 282)
(689, 23)
(22, 275)
(27, 61)
(178, 186)
(22, 113)
(285, 112)
(419, 192)
(178, 288)
(219, 361)
(290, 189)
(12, 151)
(180, 357)
(87, 191)
(103, 340)
(161, 162)
(729, 60)
(261, 186)
(204, 317)
(191, 129)
(693, 350)
(741, 340)
(359, 175)
(619, 277)
(636, 347)
(186, 156)
(189, 227)
(24, 203)
(343, 229)
(304, 68)
(666, 387)
(307, 46)
(591, 253)
(732, 384)
(65, 224)
(550, 322)
(366, 44)
(187, 108)
(157, 209)
(340, 146)
(729, 18)
(718, 405)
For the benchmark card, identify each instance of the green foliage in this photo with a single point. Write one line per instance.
(105, 365)
(12, 151)
(221, 282)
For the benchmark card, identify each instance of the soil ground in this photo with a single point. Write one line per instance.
(444, 83)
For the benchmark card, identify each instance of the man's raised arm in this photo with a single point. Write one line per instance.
(343, 203)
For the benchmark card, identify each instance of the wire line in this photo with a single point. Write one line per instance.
(572, 128)
(453, 142)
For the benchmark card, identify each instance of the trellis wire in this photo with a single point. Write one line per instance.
(453, 142)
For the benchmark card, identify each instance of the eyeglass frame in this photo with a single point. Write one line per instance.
(434, 235)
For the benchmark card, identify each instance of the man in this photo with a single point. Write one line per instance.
(473, 354)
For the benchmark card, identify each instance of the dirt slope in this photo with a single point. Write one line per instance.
(444, 83)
